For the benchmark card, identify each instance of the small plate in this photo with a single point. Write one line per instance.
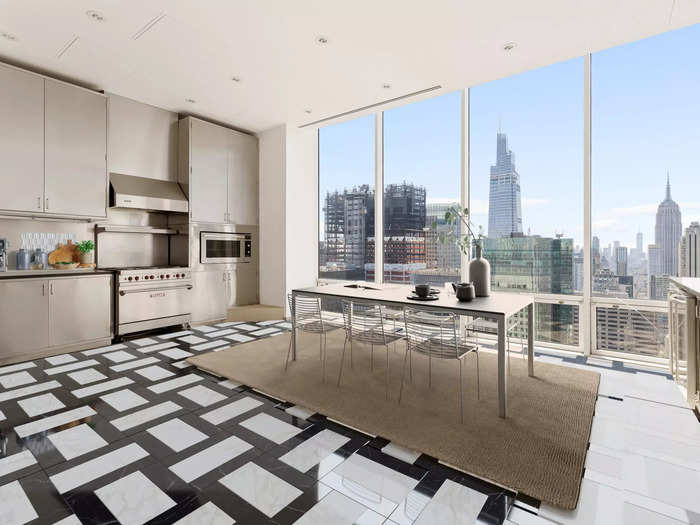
(418, 298)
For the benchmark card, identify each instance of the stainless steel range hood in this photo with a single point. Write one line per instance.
(141, 193)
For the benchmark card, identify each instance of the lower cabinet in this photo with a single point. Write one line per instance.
(210, 295)
(39, 314)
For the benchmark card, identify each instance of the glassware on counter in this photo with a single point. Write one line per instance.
(24, 259)
(40, 260)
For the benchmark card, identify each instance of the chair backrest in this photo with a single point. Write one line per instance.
(432, 330)
(364, 322)
(307, 312)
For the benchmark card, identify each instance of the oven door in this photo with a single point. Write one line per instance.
(145, 303)
(218, 248)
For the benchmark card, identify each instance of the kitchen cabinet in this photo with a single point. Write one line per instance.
(24, 316)
(218, 167)
(75, 151)
(241, 286)
(243, 180)
(21, 141)
(79, 309)
(210, 295)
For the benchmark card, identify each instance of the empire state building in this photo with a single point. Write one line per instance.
(668, 234)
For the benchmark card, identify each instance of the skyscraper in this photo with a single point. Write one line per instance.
(668, 234)
(505, 213)
(689, 252)
(640, 242)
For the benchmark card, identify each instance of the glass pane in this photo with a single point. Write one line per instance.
(631, 330)
(421, 181)
(526, 182)
(219, 248)
(346, 199)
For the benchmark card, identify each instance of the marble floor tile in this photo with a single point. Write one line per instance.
(41, 404)
(176, 353)
(271, 428)
(156, 348)
(227, 324)
(15, 462)
(192, 339)
(181, 364)
(87, 376)
(172, 384)
(103, 349)
(144, 341)
(337, 509)
(399, 452)
(227, 383)
(229, 411)
(98, 388)
(315, 450)
(154, 373)
(247, 327)
(130, 365)
(410, 508)
(145, 415)
(202, 395)
(265, 331)
(204, 329)
(29, 390)
(16, 368)
(76, 441)
(285, 325)
(15, 507)
(74, 477)
(453, 504)
(208, 514)
(177, 434)
(175, 335)
(70, 367)
(122, 400)
(221, 333)
(240, 338)
(2, 416)
(300, 412)
(209, 346)
(210, 458)
(270, 322)
(262, 489)
(519, 516)
(119, 356)
(47, 423)
(60, 359)
(16, 379)
(70, 520)
(134, 499)
(598, 505)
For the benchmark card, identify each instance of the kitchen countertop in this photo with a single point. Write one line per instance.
(23, 274)
(689, 285)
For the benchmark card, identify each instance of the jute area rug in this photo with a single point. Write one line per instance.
(538, 450)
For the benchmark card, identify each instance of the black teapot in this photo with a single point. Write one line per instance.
(464, 291)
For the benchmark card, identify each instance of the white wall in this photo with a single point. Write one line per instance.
(272, 211)
(288, 212)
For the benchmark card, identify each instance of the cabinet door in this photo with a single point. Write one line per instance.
(210, 295)
(209, 158)
(79, 309)
(24, 317)
(76, 151)
(243, 180)
(21, 141)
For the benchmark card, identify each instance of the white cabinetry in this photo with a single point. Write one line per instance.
(21, 141)
(219, 168)
(24, 317)
(75, 151)
(210, 295)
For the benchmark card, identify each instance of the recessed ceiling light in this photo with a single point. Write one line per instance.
(386, 85)
(8, 36)
(321, 40)
(95, 16)
(508, 46)
(191, 100)
(236, 79)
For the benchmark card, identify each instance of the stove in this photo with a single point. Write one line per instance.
(151, 297)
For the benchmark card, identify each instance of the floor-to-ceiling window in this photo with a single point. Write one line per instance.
(645, 190)
(422, 148)
(526, 190)
(346, 199)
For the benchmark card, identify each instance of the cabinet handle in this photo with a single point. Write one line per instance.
(43, 289)
(47, 203)
(38, 203)
(51, 288)
(224, 276)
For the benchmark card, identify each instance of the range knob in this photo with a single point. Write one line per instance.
(167, 276)
(162, 276)
(136, 278)
(153, 276)
(131, 278)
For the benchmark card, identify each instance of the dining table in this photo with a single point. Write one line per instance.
(498, 307)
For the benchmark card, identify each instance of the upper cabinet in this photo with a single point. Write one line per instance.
(219, 169)
(21, 141)
(75, 151)
(53, 146)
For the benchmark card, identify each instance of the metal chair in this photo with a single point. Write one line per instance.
(437, 336)
(365, 323)
(309, 317)
(477, 325)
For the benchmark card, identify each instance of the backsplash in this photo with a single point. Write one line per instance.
(31, 234)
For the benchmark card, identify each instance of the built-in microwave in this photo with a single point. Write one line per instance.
(225, 247)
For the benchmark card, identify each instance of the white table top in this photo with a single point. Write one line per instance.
(497, 304)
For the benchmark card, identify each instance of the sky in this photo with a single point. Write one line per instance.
(645, 123)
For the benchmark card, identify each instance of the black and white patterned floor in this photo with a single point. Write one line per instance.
(131, 433)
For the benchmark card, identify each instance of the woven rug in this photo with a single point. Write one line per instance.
(538, 450)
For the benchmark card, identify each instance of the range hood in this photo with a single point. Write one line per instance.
(141, 193)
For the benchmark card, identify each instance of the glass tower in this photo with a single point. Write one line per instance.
(505, 213)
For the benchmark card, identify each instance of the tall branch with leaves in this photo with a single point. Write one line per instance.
(457, 215)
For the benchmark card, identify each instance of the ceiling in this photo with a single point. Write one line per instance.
(192, 49)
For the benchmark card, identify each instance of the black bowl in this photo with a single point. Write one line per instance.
(422, 290)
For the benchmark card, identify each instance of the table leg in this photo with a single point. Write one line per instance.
(530, 340)
(502, 376)
(293, 308)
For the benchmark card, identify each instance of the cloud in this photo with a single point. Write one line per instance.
(631, 211)
(603, 224)
(534, 203)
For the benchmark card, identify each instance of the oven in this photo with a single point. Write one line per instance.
(225, 247)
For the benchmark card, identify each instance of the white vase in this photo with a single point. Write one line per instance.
(87, 258)
(480, 274)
